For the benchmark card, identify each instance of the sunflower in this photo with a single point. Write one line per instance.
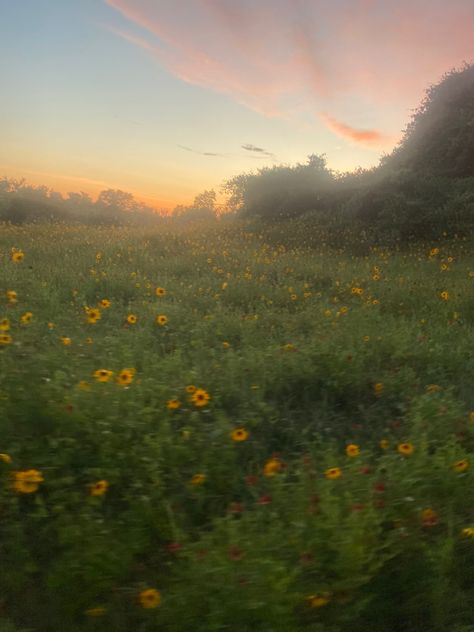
(4, 324)
(66, 341)
(5, 339)
(132, 319)
(161, 320)
(18, 256)
(406, 449)
(272, 466)
(150, 598)
(198, 479)
(105, 303)
(173, 404)
(103, 375)
(319, 600)
(239, 434)
(468, 532)
(200, 397)
(99, 488)
(461, 466)
(333, 472)
(160, 291)
(378, 388)
(190, 388)
(352, 449)
(26, 317)
(5, 458)
(226, 344)
(84, 386)
(12, 296)
(125, 377)
(444, 295)
(93, 315)
(27, 481)
(429, 518)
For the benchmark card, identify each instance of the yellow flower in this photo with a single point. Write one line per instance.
(352, 449)
(272, 466)
(105, 303)
(198, 479)
(98, 611)
(18, 256)
(173, 404)
(4, 324)
(444, 295)
(239, 434)
(27, 481)
(26, 317)
(200, 397)
(99, 488)
(93, 315)
(468, 532)
(5, 458)
(84, 386)
(125, 377)
(11, 296)
(132, 319)
(103, 375)
(161, 320)
(319, 600)
(406, 448)
(51, 325)
(226, 344)
(471, 416)
(5, 339)
(160, 291)
(190, 388)
(66, 341)
(434, 252)
(150, 598)
(461, 466)
(357, 290)
(433, 388)
(333, 473)
(378, 388)
(384, 444)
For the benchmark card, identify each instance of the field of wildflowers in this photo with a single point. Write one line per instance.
(212, 429)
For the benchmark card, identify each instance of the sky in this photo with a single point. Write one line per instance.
(166, 98)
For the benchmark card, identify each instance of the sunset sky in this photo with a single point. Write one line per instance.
(165, 98)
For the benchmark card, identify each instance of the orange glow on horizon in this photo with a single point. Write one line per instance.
(66, 183)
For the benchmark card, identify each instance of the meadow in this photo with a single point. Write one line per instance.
(218, 428)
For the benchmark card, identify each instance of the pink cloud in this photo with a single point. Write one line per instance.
(367, 137)
(285, 57)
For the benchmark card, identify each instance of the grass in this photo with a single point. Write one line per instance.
(143, 516)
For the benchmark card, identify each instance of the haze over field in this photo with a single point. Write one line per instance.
(164, 101)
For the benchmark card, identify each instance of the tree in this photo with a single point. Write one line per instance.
(117, 200)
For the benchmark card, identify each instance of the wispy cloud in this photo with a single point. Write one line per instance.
(367, 137)
(201, 153)
(283, 58)
(258, 150)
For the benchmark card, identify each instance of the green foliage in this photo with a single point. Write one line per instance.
(424, 188)
(310, 350)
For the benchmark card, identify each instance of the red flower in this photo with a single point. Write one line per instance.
(235, 554)
(264, 500)
(251, 479)
(235, 508)
(174, 547)
(379, 487)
